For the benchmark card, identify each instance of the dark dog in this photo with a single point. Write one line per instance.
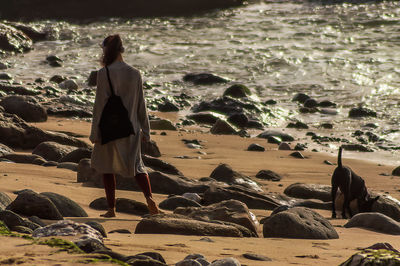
(352, 186)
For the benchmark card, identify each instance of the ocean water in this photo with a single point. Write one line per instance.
(346, 53)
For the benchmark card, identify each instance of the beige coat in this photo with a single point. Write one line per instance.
(121, 156)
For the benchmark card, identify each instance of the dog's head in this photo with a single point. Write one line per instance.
(365, 203)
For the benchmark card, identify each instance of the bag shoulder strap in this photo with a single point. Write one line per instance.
(109, 81)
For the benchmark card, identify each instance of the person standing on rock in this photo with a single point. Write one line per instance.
(121, 156)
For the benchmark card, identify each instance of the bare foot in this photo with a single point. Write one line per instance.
(153, 209)
(110, 213)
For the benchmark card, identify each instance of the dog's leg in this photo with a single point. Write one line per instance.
(333, 195)
(346, 202)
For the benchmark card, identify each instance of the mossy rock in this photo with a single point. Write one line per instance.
(374, 257)
(237, 91)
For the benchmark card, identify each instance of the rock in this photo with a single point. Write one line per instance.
(226, 262)
(122, 205)
(356, 147)
(57, 79)
(5, 76)
(381, 255)
(174, 202)
(232, 211)
(362, 112)
(170, 184)
(153, 255)
(313, 204)
(167, 106)
(297, 154)
(22, 230)
(150, 148)
(225, 173)
(92, 79)
(192, 196)
(13, 40)
(76, 155)
(90, 245)
(268, 175)
(14, 132)
(16, 89)
(284, 147)
(396, 171)
(5, 150)
(144, 261)
(310, 103)
(252, 256)
(97, 226)
(22, 158)
(31, 203)
(239, 120)
(5, 200)
(52, 151)
(204, 117)
(66, 206)
(11, 219)
(299, 222)
(162, 124)
(131, 206)
(300, 97)
(252, 199)
(255, 147)
(188, 262)
(120, 231)
(85, 171)
(387, 205)
(204, 78)
(68, 228)
(31, 31)
(274, 133)
(237, 91)
(309, 191)
(160, 165)
(69, 84)
(181, 225)
(3, 66)
(298, 125)
(36, 220)
(25, 107)
(69, 166)
(222, 127)
(376, 222)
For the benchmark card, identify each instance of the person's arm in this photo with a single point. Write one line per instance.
(142, 112)
(95, 135)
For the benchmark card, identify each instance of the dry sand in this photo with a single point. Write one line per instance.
(217, 149)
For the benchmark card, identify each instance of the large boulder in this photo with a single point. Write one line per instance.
(66, 206)
(30, 203)
(375, 221)
(13, 40)
(309, 191)
(76, 155)
(24, 158)
(221, 127)
(181, 225)
(299, 222)
(225, 173)
(377, 254)
(252, 199)
(204, 78)
(25, 107)
(232, 211)
(204, 117)
(174, 202)
(16, 133)
(387, 205)
(52, 151)
(162, 124)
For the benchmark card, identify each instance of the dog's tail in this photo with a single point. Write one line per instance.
(339, 158)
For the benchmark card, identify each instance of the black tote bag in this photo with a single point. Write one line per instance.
(114, 121)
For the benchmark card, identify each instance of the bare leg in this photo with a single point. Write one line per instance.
(144, 183)
(109, 187)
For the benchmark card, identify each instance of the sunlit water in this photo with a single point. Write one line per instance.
(348, 54)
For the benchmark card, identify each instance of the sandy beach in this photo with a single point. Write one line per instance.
(216, 149)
